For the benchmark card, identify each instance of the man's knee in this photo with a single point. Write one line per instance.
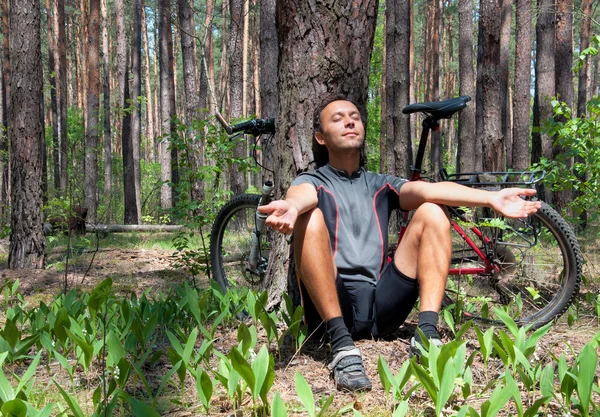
(431, 214)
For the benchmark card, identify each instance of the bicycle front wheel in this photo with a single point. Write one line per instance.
(539, 264)
(230, 242)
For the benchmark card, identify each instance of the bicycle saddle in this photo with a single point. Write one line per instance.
(439, 109)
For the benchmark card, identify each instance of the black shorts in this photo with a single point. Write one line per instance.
(369, 310)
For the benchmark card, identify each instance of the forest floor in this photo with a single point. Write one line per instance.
(136, 270)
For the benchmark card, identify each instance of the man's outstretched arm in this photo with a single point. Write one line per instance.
(282, 214)
(507, 201)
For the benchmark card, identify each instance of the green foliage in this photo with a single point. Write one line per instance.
(579, 138)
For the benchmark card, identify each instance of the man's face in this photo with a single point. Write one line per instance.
(341, 127)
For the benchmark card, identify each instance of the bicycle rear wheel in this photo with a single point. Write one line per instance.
(230, 241)
(539, 264)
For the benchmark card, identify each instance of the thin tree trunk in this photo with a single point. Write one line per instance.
(106, 98)
(245, 44)
(134, 212)
(207, 60)
(489, 78)
(53, 98)
(150, 129)
(236, 81)
(564, 82)
(506, 7)
(83, 75)
(93, 112)
(544, 81)
(157, 110)
(269, 58)
(397, 40)
(27, 241)
(121, 65)
(196, 151)
(5, 192)
(583, 77)
(166, 87)
(223, 100)
(62, 71)
(522, 96)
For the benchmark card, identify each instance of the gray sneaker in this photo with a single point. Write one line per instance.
(416, 345)
(348, 370)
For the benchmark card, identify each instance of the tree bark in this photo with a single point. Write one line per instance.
(325, 47)
(62, 92)
(397, 81)
(489, 79)
(51, 36)
(207, 75)
(506, 7)
(564, 81)
(166, 92)
(236, 79)
(583, 76)
(5, 191)
(93, 112)
(121, 66)
(432, 58)
(133, 212)
(269, 58)
(150, 130)
(106, 103)
(196, 144)
(544, 80)
(522, 96)
(27, 240)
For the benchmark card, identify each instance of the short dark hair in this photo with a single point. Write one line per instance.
(320, 153)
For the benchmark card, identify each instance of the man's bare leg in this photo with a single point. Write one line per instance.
(315, 264)
(424, 253)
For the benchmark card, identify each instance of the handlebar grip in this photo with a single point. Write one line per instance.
(242, 127)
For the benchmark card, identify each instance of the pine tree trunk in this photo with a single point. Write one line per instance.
(135, 211)
(583, 85)
(83, 67)
(564, 82)
(236, 80)
(319, 43)
(269, 58)
(583, 77)
(27, 240)
(196, 147)
(121, 65)
(53, 98)
(207, 62)
(544, 81)
(506, 7)
(5, 192)
(489, 79)
(106, 103)
(150, 130)
(93, 112)
(397, 40)
(223, 98)
(166, 92)
(522, 96)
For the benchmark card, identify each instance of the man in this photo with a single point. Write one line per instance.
(339, 215)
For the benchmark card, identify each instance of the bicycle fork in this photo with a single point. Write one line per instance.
(252, 264)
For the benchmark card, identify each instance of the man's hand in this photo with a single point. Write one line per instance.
(508, 202)
(281, 216)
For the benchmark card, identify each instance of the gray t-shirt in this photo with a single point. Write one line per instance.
(356, 210)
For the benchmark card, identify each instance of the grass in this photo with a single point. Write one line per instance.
(133, 240)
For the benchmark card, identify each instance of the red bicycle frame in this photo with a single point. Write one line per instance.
(488, 266)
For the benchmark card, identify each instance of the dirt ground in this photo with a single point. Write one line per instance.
(137, 270)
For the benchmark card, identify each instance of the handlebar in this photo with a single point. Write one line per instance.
(253, 127)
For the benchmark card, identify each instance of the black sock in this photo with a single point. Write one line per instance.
(338, 334)
(428, 323)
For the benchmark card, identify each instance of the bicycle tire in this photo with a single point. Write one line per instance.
(540, 261)
(230, 240)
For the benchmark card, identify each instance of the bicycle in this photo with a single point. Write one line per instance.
(530, 267)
